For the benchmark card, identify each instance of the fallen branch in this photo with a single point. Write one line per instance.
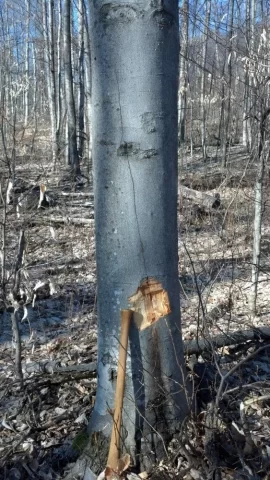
(203, 199)
(55, 367)
(70, 220)
(77, 194)
(190, 347)
(64, 220)
(225, 339)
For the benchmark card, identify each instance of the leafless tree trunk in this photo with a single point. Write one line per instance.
(73, 157)
(229, 87)
(203, 78)
(27, 49)
(182, 101)
(262, 153)
(59, 69)
(134, 244)
(88, 92)
(249, 74)
(81, 90)
(15, 293)
(49, 27)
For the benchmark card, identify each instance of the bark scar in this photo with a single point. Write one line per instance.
(149, 303)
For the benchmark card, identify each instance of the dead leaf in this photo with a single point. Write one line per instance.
(81, 419)
(59, 410)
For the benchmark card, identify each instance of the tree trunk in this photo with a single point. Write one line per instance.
(248, 100)
(81, 90)
(135, 183)
(48, 24)
(229, 94)
(88, 94)
(59, 68)
(203, 79)
(73, 159)
(26, 93)
(257, 229)
(182, 102)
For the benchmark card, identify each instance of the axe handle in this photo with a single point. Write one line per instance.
(114, 450)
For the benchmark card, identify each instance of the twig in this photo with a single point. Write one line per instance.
(233, 369)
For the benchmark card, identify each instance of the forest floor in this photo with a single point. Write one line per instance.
(41, 422)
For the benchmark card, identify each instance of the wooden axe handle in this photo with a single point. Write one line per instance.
(114, 450)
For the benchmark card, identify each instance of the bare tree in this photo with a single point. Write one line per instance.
(203, 77)
(73, 157)
(81, 90)
(88, 89)
(49, 27)
(229, 85)
(249, 72)
(136, 219)
(27, 66)
(182, 101)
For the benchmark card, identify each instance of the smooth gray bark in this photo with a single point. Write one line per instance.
(229, 94)
(251, 7)
(134, 53)
(73, 157)
(49, 28)
(81, 89)
(203, 78)
(182, 101)
(88, 92)
(26, 94)
(59, 66)
(263, 155)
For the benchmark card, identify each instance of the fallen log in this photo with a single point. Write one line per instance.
(72, 220)
(64, 220)
(203, 199)
(190, 347)
(51, 366)
(77, 194)
(225, 340)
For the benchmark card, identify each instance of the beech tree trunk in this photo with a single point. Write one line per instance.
(81, 89)
(203, 79)
(182, 102)
(88, 93)
(227, 121)
(26, 93)
(263, 157)
(48, 24)
(73, 157)
(134, 50)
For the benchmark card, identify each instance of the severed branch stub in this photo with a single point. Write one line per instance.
(149, 303)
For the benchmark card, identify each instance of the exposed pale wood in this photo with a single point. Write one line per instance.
(149, 303)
